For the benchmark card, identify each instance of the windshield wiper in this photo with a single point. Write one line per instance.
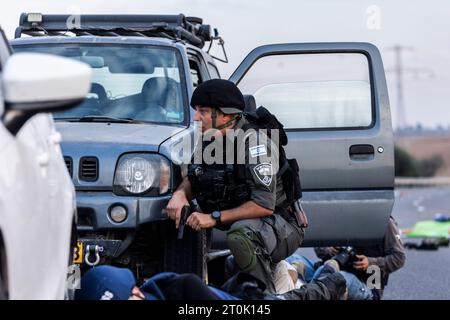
(99, 119)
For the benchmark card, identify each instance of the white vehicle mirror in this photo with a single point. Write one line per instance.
(36, 82)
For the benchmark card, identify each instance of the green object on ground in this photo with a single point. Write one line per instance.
(430, 229)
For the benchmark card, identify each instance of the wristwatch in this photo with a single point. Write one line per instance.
(216, 215)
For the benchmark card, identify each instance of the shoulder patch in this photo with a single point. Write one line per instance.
(258, 151)
(264, 173)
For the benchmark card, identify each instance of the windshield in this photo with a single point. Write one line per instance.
(128, 82)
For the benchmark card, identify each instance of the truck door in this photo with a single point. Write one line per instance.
(333, 101)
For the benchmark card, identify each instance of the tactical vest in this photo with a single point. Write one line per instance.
(219, 186)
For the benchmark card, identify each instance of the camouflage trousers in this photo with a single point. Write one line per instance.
(259, 244)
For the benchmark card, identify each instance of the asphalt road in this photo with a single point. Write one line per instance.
(426, 274)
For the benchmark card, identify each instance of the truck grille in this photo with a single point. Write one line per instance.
(88, 169)
(69, 165)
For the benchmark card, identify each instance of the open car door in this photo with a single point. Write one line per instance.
(332, 100)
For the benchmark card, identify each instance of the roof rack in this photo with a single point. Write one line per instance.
(176, 27)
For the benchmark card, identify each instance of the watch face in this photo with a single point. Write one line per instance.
(216, 215)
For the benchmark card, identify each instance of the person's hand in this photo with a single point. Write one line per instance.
(199, 221)
(176, 203)
(332, 251)
(136, 294)
(362, 263)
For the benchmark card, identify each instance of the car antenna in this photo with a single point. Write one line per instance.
(221, 43)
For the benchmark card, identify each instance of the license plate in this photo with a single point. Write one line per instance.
(78, 253)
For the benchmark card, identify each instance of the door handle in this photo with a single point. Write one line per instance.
(362, 152)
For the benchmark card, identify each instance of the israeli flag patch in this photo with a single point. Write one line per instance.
(258, 151)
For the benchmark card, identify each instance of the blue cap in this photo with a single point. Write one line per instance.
(106, 283)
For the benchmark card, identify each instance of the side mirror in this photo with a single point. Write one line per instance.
(36, 82)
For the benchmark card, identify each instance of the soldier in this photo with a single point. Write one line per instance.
(247, 200)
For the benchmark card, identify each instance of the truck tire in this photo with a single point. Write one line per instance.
(188, 255)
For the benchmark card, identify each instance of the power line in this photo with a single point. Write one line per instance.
(400, 70)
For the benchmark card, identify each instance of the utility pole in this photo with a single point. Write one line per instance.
(400, 70)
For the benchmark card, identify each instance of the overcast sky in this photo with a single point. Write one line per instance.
(421, 25)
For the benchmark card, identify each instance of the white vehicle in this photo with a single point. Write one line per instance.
(37, 199)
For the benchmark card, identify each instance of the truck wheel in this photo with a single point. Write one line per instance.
(188, 255)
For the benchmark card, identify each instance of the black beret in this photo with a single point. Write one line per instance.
(219, 93)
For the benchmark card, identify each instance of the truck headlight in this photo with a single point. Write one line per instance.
(142, 174)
